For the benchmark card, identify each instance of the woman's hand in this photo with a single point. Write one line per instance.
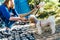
(23, 19)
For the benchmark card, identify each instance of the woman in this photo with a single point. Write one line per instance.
(8, 13)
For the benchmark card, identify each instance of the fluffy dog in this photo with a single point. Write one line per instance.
(41, 23)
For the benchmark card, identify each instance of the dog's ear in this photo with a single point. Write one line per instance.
(31, 20)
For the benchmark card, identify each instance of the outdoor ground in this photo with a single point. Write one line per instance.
(46, 35)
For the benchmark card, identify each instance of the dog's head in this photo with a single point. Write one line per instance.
(32, 18)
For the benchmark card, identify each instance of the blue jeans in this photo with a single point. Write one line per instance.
(9, 25)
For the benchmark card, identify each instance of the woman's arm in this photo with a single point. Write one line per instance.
(16, 18)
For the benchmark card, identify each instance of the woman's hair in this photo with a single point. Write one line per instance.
(6, 1)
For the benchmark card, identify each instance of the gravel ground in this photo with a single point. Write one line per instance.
(46, 35)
